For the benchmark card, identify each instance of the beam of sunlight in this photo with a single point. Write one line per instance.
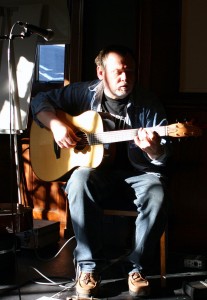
(24, 73)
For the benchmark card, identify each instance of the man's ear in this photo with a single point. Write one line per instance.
(99, 71)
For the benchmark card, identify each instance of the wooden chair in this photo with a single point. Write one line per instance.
(131, 213)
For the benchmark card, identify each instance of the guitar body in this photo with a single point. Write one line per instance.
(45, 163)
(51, 163)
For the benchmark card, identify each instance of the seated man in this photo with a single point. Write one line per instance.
(136, 175)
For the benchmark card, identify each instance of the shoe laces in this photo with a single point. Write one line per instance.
(87, 278)
(90, 278)
(138, 276)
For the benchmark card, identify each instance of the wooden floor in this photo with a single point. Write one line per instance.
(42, 274)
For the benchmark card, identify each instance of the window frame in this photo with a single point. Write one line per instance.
(48, 85)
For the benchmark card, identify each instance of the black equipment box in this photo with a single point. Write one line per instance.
(43, 233)
(197, 290)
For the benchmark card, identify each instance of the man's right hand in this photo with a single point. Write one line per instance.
(63, 134)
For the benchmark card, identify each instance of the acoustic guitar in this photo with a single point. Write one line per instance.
(51, 163)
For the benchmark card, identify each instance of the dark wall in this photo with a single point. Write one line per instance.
(165, 48)
(106, 22)
(150, 28)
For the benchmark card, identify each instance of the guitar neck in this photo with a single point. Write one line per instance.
(121, 135)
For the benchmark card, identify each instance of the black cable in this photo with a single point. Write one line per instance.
(59, 251)
(50, 282)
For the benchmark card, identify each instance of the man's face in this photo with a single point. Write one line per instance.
(118, 75)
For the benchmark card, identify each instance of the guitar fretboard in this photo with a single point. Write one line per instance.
(120, 135)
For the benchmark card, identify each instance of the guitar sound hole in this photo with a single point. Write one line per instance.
(83, 143)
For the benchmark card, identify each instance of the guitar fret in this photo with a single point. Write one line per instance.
(120, 135)
(114, 136)
(162, 130)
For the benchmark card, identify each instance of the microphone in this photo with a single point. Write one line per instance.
(47, 34)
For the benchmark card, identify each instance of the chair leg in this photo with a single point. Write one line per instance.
(163, 259)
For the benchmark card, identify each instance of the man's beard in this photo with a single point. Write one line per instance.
(122, 93)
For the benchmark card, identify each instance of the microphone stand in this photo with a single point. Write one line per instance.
(15, 127)
(15, 115)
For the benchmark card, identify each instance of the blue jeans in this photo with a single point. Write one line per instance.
(91, 190)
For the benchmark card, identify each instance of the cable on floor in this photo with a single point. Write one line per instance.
(53, 283)
(70, 283)
(51, 258)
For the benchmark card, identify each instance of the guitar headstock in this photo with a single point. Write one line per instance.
(186, 129)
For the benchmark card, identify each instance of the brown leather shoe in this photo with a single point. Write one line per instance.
(138, 285)
(87, 284)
